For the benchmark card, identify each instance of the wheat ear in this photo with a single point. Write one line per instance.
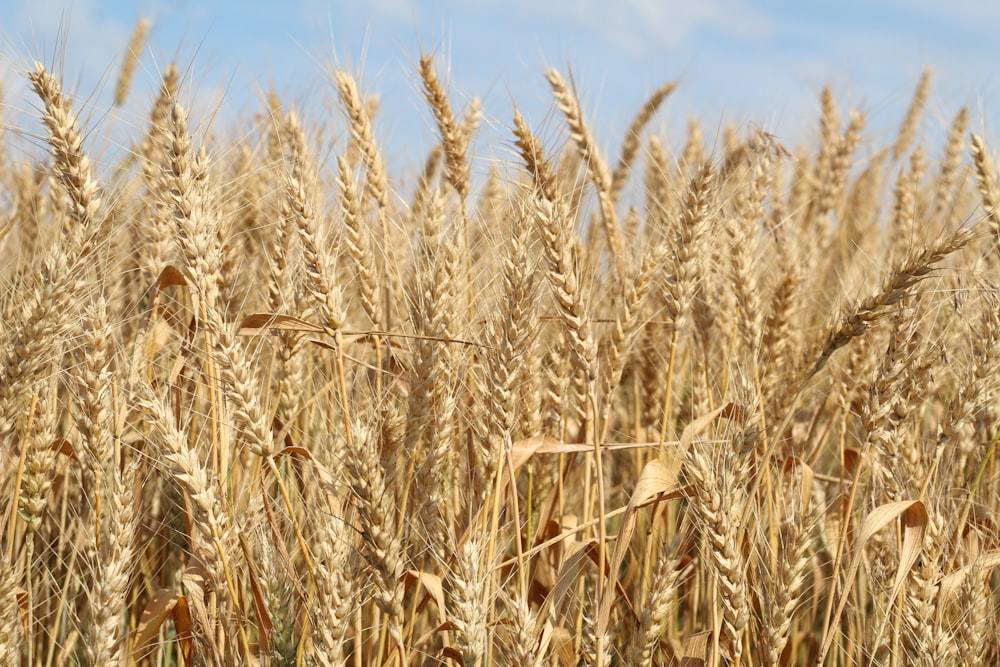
(135, 46)
(897, 283)
(215, 527)
(630, 147)
(380, 547)
(597, 168)
(452, 138)
(832, 187)
(720, 499)
(973, 625)
(159, 248)
(113, 571)
(11, 636)
(785, 583)
(196, 222)
(908, 128)
(470, 609)
(298, 205)
(377, 187)
(336, 595)
(987, 176)
(947, 181)
(358, 244)
(533, 156)
(71, 165)
(662, 600)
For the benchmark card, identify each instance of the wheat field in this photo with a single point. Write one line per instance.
(267, 400)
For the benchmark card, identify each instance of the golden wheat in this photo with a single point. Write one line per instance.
(724, 406)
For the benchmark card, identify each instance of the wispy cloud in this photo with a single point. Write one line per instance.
(636, 27)
(649, 27)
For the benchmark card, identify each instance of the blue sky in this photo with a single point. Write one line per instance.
(736, 60)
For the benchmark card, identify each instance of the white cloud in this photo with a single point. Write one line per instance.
(637, 27)
(648, 27)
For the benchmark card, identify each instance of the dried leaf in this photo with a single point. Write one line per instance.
(914, 516)
(152, 618)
